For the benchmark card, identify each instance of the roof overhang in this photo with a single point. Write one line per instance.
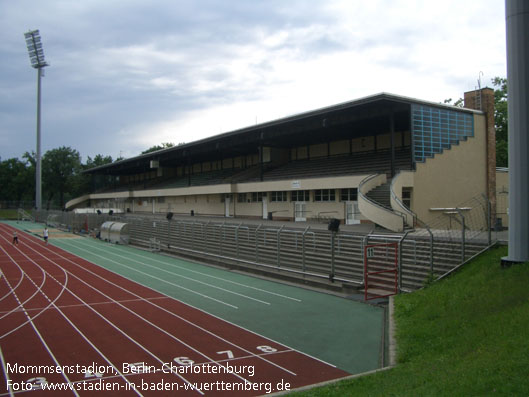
(361, 117)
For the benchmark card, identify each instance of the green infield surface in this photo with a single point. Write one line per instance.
(342, 332)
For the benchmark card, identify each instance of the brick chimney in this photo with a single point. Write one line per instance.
(484, 100)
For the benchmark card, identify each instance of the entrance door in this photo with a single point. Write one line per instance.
(300, 211)
(227, 201)
(352, 214)
(265, 208)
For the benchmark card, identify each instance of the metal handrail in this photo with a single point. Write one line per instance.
(360, 193)
(399, 201)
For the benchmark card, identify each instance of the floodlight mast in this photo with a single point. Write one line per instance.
(517, 27)
(36, 56)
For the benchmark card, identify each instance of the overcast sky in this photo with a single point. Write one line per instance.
(125, 75)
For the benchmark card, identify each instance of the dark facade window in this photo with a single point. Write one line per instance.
(300, 195)
(258, 196)
(278, 196)
(325, 195)
(406, 196)
(350, 194)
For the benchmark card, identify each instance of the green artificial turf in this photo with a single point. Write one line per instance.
(467, 335)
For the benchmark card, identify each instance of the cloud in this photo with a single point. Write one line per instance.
(126, 75)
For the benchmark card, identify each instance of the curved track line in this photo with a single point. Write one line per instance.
(3, 361)
(111, 324)
(21, 305)
(71, 323)
(40, 336)
(18, 284)
(14, 289)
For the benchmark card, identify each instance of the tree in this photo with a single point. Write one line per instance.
(459, 103)
(17, 181)
(500, 121)
(84, 183)
(59, 169)
(97, 161)
(165, 145)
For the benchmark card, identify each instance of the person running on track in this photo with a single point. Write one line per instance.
(46, 235)
(15, 238)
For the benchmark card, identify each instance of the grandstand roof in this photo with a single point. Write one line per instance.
(361, 117)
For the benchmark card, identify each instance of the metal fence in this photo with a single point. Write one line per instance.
(433, 250)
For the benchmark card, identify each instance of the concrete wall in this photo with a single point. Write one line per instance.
(453, 177)
(208, 200)
(376, 213)
(502, 196)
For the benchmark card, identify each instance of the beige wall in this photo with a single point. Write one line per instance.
(502, 197)
(206, 200)
(319, 150)
(502, 180)
(302, 184)
(340, 147)
(364, 144)
(251, 210)
(384, 141)
(453, 177)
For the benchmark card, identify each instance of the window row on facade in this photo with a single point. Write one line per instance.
(319, 195)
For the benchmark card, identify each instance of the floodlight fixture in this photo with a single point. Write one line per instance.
(36, 56)
(35, 50)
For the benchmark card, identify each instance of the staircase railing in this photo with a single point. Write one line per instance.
(398, 205)
(375, 212)
(23, 215)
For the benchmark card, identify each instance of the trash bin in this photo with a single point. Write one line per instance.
(499, 225)
(334, 225)
(270, 216)
(192, 212)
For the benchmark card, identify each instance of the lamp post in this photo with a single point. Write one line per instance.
(517, 22)
(36, 56)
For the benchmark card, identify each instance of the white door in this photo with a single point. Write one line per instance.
(300, 212)
(227, 201)
(352, 214)
(265, 208)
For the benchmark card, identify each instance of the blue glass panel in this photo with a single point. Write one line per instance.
(434, 129)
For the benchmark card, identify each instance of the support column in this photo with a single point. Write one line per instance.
(38, 160)
(261, 167)
(392, 140)
(189, 170)
(484, 100)
(517, 21)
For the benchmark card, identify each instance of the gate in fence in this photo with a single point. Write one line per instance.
(381, 270)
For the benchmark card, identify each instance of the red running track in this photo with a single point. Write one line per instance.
(66, 322)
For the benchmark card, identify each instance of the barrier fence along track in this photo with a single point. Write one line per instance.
(423, 253)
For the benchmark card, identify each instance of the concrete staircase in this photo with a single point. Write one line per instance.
(381, 195)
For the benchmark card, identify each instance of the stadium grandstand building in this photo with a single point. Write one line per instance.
(385, 159)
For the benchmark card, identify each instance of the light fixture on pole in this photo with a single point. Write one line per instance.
(36, 56)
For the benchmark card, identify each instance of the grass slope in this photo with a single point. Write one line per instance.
(465, 336)
(8, 214)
